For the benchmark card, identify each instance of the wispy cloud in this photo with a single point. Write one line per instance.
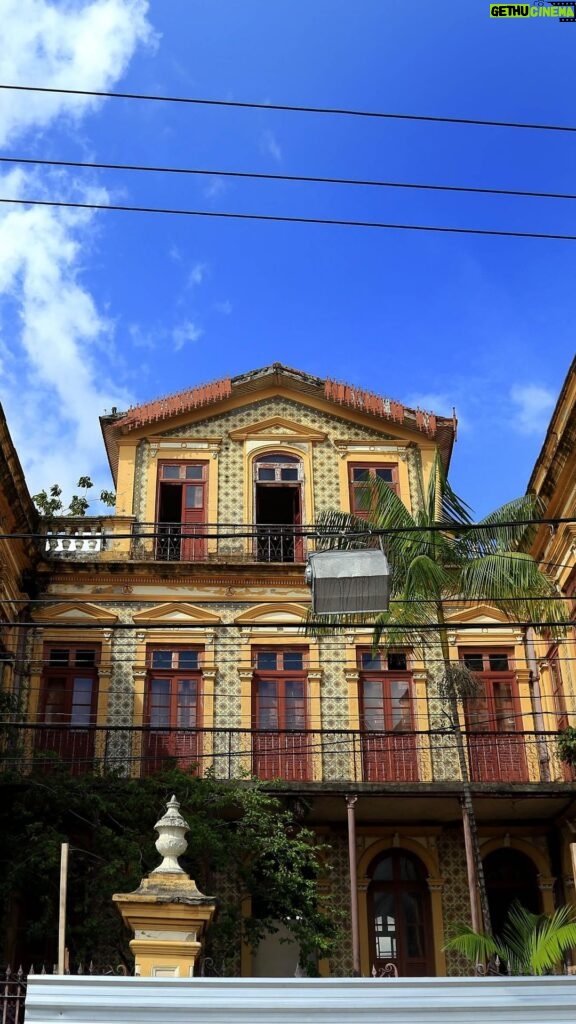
(270, 146)
(54, 385)
(215, 187)
(185, 332)
(197, 274)
(224, 308)
(532, 404)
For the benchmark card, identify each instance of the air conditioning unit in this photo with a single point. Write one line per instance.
(348, 581)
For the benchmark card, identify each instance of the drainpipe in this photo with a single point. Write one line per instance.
(351, 805)
(543, 755)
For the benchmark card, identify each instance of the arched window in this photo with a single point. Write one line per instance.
(400, 914)
(278, 507)
(510, 875)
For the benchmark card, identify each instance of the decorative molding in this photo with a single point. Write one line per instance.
(277, 429)
(165, 614)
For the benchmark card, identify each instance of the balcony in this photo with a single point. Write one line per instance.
(121, 539)
(306, 756)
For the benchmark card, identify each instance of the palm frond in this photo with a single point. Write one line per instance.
(475, 946)
(503, 575)
(400, 626)
(532, 944)
(511, 527)
(425, 578)
(341, 531)
(443, 505)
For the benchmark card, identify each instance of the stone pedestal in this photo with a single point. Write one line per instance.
(167, 912)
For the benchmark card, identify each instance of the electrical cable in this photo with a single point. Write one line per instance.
(303, 178)
(292, 108)
(278, 219)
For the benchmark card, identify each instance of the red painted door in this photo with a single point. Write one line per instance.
(494, 722)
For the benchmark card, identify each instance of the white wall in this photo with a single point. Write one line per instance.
(77, 1000)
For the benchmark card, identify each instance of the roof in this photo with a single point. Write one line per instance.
(441, 429)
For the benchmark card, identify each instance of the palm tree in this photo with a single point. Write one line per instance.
(530, 943)
(437, 555)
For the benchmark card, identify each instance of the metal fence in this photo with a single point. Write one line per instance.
(303, 755)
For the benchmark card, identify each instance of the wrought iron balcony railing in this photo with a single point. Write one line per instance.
(332, 755)
(120, 538)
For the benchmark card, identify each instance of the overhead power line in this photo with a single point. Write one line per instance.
(292, 108)
(229, 215)
(227, 531)
(302, 178)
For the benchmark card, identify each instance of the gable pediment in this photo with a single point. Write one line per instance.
(483, 614)
(77, 613)
(277, 428)
(164, 614)
(283, 613)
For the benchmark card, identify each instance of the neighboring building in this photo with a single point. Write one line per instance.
(174, 630)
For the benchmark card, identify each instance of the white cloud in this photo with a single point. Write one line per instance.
(215, 187)
(53, 383)
(86, 45)
(533, 405)
(270, 146)
(197, 273)
(224, 308)
(185, 332)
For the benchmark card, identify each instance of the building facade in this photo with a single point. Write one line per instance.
(175, 632)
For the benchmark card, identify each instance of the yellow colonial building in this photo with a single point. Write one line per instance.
(174, 631)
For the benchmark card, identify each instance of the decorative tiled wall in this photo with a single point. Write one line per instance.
(455, 897)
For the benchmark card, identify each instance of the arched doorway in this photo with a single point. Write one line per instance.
(510, 875)
(400, 920)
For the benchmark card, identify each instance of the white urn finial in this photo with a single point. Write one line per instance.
(171, 843)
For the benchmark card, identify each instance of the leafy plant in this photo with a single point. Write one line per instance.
(567, 745)
(243, 842)
(49, 503)
(530, 943)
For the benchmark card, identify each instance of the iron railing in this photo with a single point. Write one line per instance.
(222, 542)
(304, 755)
(123, 539)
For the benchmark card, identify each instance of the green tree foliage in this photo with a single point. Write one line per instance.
(49, 503)
(242, 839)
(530, 943)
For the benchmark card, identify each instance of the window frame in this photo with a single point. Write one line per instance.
(356, 486)
(386, 678)
(64, 710)
(174, 675)
(281, 677)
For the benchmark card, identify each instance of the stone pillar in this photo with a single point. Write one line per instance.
(167, 912)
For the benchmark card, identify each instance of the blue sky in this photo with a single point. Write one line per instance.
(109, 309)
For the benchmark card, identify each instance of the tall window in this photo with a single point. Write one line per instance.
(174, 687)
(68, 703)
(387, 717)
(493, 716)
(181, 511)
(361, 476)
(278, 507)
(280, 714)
(400, 914)
(70, 685)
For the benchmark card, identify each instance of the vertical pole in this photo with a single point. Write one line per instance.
(573, 859)
(471, 869)
(350, 804)
(62, 911)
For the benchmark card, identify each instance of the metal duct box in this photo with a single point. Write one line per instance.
(348, 581)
